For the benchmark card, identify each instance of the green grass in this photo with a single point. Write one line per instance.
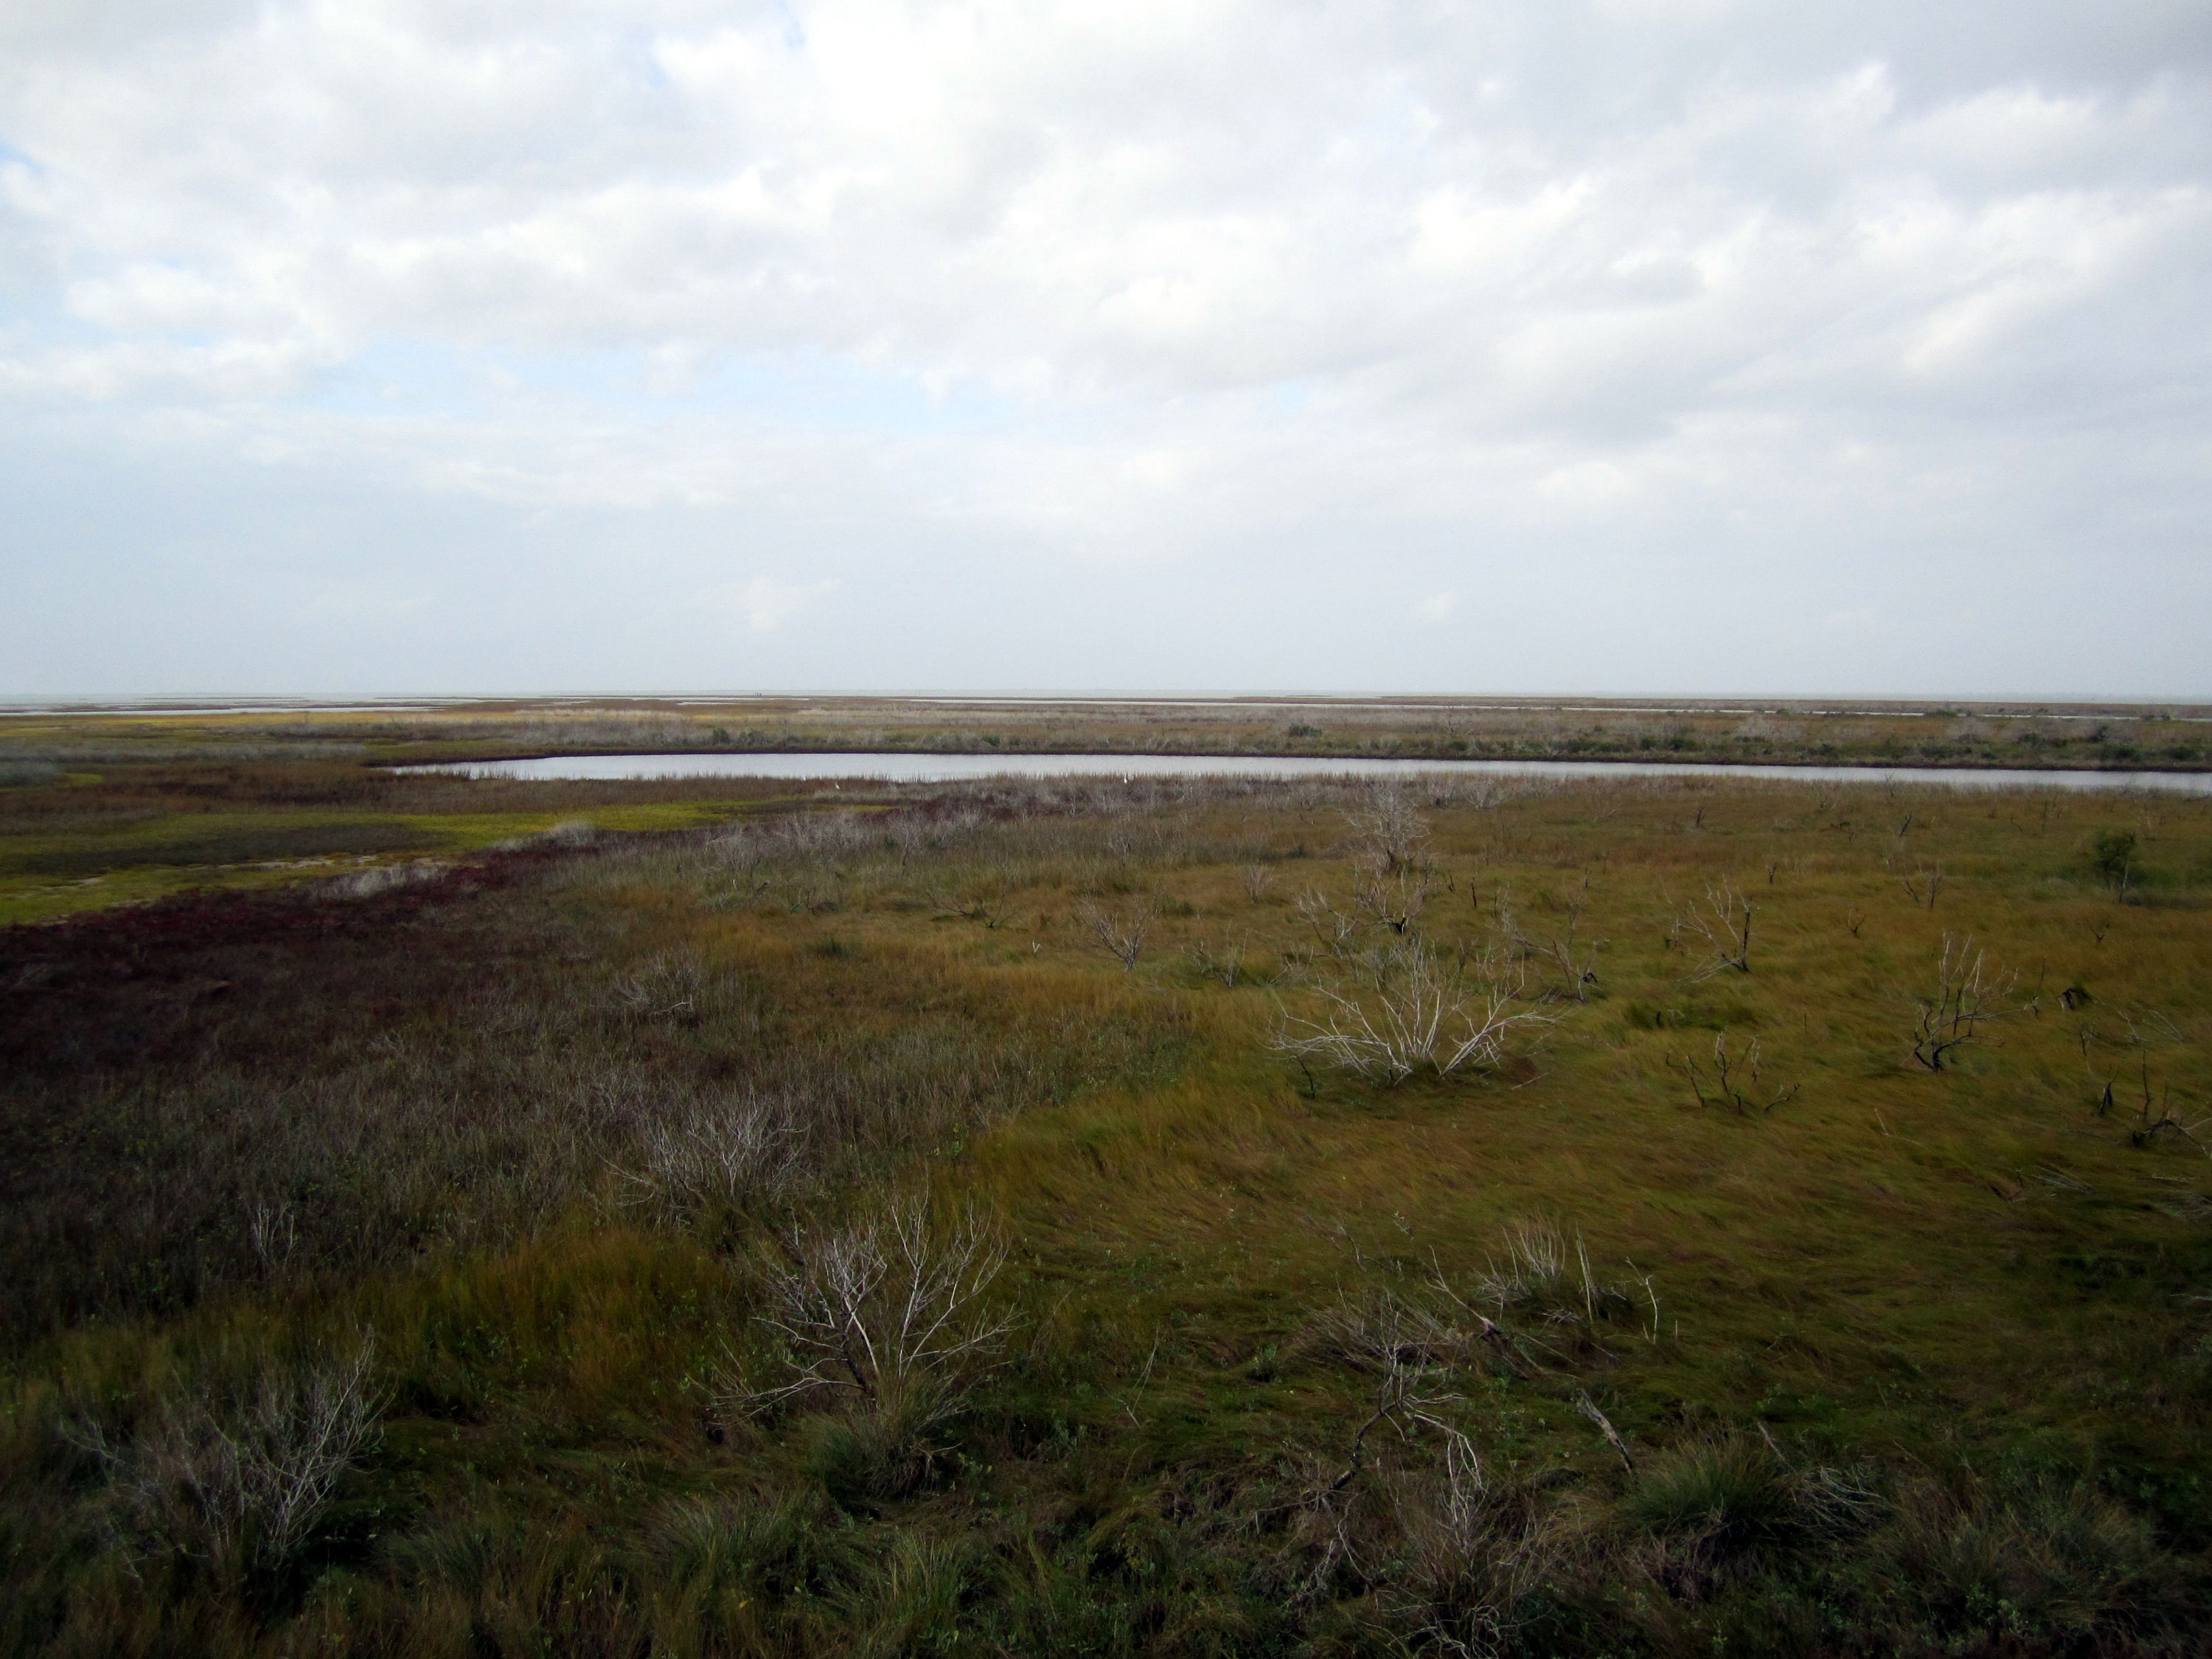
(1928, 1368)
(157, 854)
(222, 840)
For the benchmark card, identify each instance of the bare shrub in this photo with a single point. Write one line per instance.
(1408, 1395)
(1258, 882)
(1408, 1007)
(726, 868)
(384, 877)
(1481, 794)
(1224, 962)
(1537, 1304)
(1924, 886)
(1394, 899)
(1120, 933)
(1381, 1328)
(1394, 1004)
(1533, 1267)
(1406, 1512)
(1390, 829)
(1731, 1080)
(816, 836)
(984, 902)
(1539, 1278)
(1964, 999)
(1574, 961)
(720, 1158)
(1338, 932)
(888, 1322)
(2153, 1096)
(1411, 1399)
(238, 1486)
(1474, 1557)
(1722, 924)
(272, 1228)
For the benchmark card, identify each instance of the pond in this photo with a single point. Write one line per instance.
(942, 768)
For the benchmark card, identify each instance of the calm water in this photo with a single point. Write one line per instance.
(940, 769)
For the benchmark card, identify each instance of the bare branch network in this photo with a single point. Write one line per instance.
(1967, 997)
(889, 1316)
(1392, 1002)
(1723, 924)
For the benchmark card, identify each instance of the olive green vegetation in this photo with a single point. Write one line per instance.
(139, 828)
(2009, 735)
(911, 1222)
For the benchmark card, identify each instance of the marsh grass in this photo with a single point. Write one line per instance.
(241, 845)
(1912, 1364)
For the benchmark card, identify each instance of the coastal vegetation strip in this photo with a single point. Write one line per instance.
(2167, 736)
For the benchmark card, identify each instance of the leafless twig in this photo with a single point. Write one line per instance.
(1589, 1408)
(1730, 1080)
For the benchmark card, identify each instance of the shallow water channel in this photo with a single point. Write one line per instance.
(940, 768)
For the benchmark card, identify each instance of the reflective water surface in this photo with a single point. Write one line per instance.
(939, 768)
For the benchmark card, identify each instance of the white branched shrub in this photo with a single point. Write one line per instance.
(1722, 924)
(1390, 831)
(385, 878)
(1392, 1009)
(888, 1319)
(1385, 1002)
(239, 1486)
(721, 1158)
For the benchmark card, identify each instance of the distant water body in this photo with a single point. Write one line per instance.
(945, 768)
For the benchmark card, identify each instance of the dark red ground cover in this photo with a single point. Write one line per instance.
(138, 984)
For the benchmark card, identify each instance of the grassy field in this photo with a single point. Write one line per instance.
(1049, 1218)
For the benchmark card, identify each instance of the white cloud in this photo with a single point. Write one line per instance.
(1437, 607)
(1078, 286)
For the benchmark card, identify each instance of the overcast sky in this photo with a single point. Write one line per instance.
(1627, 345)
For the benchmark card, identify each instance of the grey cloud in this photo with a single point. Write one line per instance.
(1513, 298)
